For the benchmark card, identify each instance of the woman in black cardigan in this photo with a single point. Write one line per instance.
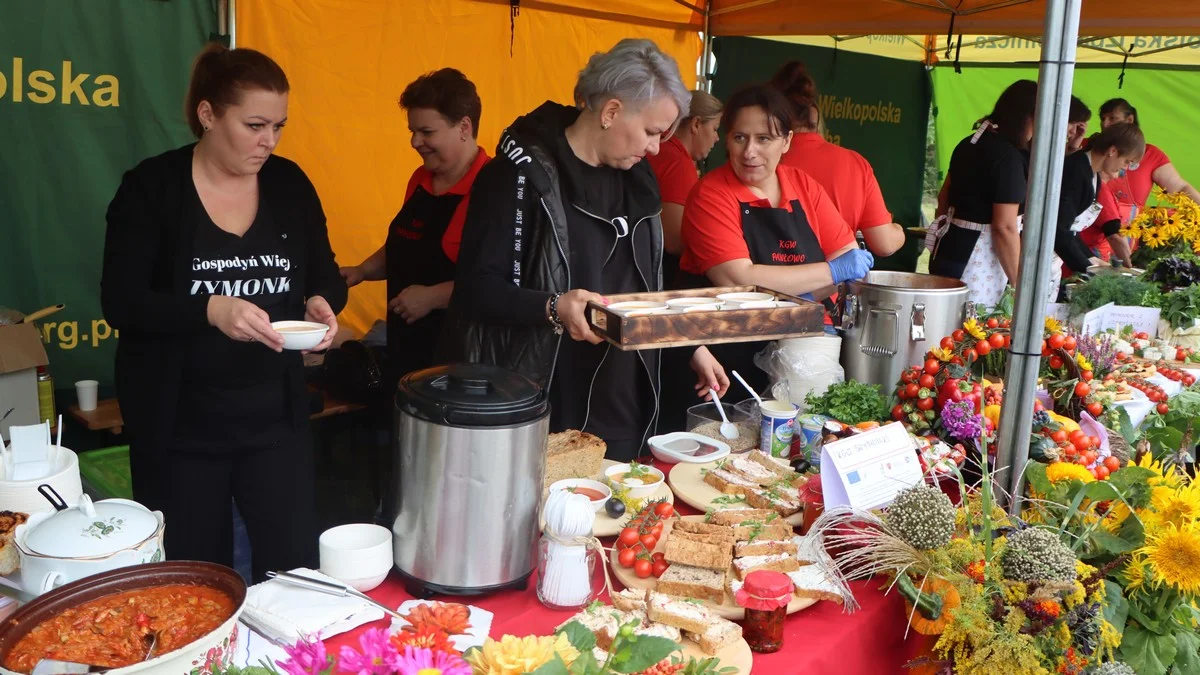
(206, 246)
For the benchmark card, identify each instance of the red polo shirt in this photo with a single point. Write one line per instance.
(452, 238)
(712, 218)
(675, 170)
(1133, 189)
(846, 176)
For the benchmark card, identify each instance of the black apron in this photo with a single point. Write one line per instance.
(774, 236)
(415, 256)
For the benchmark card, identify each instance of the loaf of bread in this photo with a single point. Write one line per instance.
(573, 454)
(10, 560)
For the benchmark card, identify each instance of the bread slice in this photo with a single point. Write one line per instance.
(778, 528)
(734, 517)
(765, 547)
(630, 600)
(801, 481)
(10, 559)
(808, 551)
(697, 527)
(573, 454)
(751, 471)
(720, 634)
(781, 498)
(777, 466)
(811, 581)
(684, 615)
(662, 630)
(721, 537)
(686, 581)
(781, 562)
(728, 482)
(602, 620)
(713, 556)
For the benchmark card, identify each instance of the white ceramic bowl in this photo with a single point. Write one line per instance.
(684, 303)
(358, 555)
(683, 447)
(746, 297)
(577, 483)
(711, 307)
(298, 335)
(647, 488)
(636, 305)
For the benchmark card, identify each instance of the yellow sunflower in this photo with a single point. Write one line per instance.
(943, 355)
(1135, 573)
(1176, 506)
(1165, 474)
(972, 327)
(1083, 362)
(1116, 517)
(1053, 326)
(1060, 471)
(1173, 556)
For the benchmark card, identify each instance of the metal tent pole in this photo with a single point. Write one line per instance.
(706, 53)
(1055, 77)
(232, 24)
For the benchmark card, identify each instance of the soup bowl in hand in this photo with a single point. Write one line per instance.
(300, 335)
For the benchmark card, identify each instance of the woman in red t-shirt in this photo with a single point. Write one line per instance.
(1131, 189)
(675, 168)
(846, 175)
(756, 222)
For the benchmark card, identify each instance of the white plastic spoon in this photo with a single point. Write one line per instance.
(748, 388)
(728, 430)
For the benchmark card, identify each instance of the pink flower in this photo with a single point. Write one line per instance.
(378, 657)
(421, 661)
(306, 657)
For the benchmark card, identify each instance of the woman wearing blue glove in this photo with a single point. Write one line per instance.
(757, 222)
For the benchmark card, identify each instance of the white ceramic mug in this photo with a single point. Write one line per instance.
(85, 391)
(359, 555)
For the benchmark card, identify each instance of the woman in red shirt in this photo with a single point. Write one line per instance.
(675, 168)
(757, 222)
(419, 257)
(846, 175)
(1131, 189)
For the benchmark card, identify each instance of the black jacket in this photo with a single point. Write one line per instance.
(517, 250)
(1078, 192)
(144, 283)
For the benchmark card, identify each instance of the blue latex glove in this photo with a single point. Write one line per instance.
(851, 265)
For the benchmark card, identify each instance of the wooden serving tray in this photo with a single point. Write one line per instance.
(656, 331)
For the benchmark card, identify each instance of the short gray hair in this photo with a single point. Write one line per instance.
(634, 72)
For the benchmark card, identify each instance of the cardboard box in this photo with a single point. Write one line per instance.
(21, 352)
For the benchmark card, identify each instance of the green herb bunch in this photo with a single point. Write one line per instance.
(850, 402)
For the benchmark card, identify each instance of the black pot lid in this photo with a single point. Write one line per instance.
(471, 395)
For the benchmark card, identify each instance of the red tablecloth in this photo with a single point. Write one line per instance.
(820, 639)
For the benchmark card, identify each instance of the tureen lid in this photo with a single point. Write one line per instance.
(92, 529)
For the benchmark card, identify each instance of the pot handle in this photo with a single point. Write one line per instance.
(51, 581)
(849, 311)
(53, 497)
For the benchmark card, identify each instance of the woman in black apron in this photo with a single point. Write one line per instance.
(418, 258)
(1109, 152)
(756, 222)
(976, 237)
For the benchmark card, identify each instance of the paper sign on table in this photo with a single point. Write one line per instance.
(1115, 317)
(866, 470)
(1093, 321)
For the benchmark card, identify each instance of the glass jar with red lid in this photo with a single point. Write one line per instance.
(765, 596)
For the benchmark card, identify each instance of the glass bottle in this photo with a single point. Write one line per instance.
(566, 573)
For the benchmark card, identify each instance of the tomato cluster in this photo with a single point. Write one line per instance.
(1175, 375)
(636, 542)
(1184, 353)
(1079, 448)
(664, 667)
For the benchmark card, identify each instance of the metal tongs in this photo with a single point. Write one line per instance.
(340, 590)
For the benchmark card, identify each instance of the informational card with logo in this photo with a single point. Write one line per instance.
(1116, 317)
(866, 471)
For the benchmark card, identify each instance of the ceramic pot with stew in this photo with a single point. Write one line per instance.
(197, 636)
(71, 543)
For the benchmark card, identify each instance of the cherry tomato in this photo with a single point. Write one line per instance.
(1153, 396)
(1094, 442)
(982, 348)
(1095, 409)
(657, 530)
(993, 322)
(927, 381)
(627, 557)
(1189, 380)
(1112, 463)
(1059, 436)
(946, 343)
(907, 376)
(959, 335)
(1056, 362)
(1163, 409)
(664, 510)
(1056, 341)
(932, 367)
(629, 536)
(972, 355)
(912, 390)
(1095, 474)
(649, 541)
(996, 341)
(658, 556)
(1086, 375)
(898, 413)
(1007, 340)
(643, 568)
(925, 404)
(957, 361)
(1101, 471)
(1069, 343)
(659, 568)
(1082, 389)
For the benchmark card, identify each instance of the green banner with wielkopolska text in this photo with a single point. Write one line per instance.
(876, 106)
(87, 90)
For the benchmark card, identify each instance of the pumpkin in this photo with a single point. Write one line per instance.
(950, 601)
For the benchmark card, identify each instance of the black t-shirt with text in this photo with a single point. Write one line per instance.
(234, 394)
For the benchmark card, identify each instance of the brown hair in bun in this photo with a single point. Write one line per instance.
(794, 82)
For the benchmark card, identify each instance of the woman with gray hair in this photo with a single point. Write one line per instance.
(566, 213)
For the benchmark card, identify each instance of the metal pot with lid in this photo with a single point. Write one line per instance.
(73, 542)
(890, 319)
(469, 453)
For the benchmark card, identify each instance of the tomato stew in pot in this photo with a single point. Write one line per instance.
(115, 631)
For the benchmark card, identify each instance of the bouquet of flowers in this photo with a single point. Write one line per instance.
(1173, 224)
